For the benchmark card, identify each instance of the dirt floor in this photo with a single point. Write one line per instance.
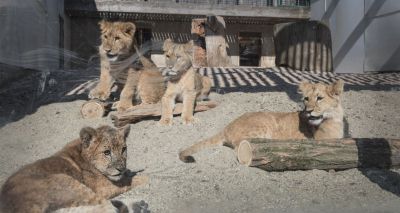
(216, 182)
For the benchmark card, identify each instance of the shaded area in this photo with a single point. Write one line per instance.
(281, 79)
(25, 95)
(378, 154)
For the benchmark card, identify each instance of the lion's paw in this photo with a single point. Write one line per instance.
(189, 120)
(98, 94)
(121, 106)
(165, 122)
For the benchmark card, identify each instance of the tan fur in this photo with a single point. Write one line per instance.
(82, 173)
(184, 82)
(117, 54)
(319, 100)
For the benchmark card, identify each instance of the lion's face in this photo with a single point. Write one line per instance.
(320, 100)
(177, 56)
(105, 149)
(117, 39)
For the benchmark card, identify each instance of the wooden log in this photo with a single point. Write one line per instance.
(337, 154)
(154, 110)
(95, 109)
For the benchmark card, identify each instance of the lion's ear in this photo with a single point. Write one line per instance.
(87, 135)
(129, 28)
(168, 43)
(304, 86)
(189, 47)
(124, 131)
(104, 24)
(336, 89)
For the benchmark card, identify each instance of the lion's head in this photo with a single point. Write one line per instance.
(178, 57)
(321, 101)
(105, 149)
(117, 39)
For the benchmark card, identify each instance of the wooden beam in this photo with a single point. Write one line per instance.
(153, 110)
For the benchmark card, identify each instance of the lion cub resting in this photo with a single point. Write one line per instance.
(118, 55)
(322, 118)
(184, 82)
(87, 171)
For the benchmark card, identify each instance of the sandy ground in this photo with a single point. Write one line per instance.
(216, 182)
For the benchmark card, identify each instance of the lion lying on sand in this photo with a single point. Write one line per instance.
(322, 118)
(87, 171)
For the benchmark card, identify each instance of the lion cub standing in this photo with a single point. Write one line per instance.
(183, 82)
(322, 118)
(118, 55)
(87, 171)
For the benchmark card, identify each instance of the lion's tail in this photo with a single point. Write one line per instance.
(215, 140)
(147, 63)
(205, 91)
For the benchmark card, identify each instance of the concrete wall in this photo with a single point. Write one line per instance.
(30, 34)
(382, 37)
(364, 33)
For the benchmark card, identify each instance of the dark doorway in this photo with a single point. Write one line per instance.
(250, 48)
(143, 37)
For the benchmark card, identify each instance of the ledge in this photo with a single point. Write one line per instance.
(186, 9)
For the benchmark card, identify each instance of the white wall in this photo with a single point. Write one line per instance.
(365, 33)
(382, 37)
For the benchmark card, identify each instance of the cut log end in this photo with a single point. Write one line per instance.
(93, 109)
(245, 153)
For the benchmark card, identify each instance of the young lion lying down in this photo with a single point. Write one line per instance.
(87, 171)
(322, 118)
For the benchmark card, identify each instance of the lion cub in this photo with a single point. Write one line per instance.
(322, 118)
(118, 55)
(87, 171)
(183, 82)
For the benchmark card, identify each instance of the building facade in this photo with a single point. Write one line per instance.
(249, 24)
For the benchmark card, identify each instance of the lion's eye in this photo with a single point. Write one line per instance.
(117, 38)
(105, 36)
(124, 149)
(305, 98)
(167, 56)
(319, 98)
(107, 152)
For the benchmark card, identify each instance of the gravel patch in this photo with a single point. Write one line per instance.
(216, 182)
